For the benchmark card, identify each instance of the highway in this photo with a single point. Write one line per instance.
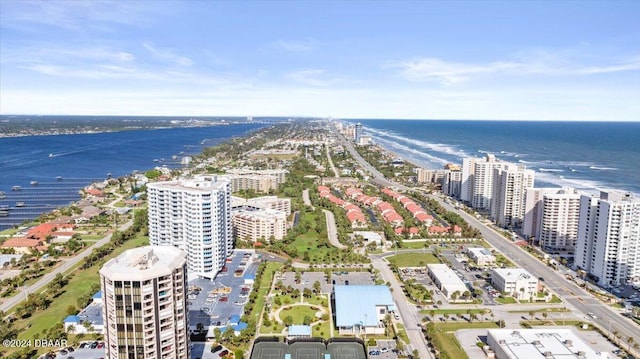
(607, 319)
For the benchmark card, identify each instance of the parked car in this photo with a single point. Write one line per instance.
(223, 353)
(94, 345)
(100, 345)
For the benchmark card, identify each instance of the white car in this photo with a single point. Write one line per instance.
(592, 315)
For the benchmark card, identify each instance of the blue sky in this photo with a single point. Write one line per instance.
(512, 60)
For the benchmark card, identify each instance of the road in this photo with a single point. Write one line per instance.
(333, 168)
(332, 232)
(408, 312)
(573, 295)
(20, 296)
(608, 320)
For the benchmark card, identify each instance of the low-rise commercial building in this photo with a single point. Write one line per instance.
(446, 280)
(361, 309)
(540, 343)
(516, 282)
(481, 256)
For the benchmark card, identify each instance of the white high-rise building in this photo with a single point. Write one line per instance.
(483, 182)
(552, 216)
(144, 304)
(195, 216)
(608, 246)
(466, 182)
(358, 132)
(451, 183)
(510, 183)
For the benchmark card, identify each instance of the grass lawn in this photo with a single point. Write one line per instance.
(275, 328)
(501, 260)
(540, 310)
(402, 334)
(263, 289)
(455, 311)
(555, 299)
(317, 300)
(414, 245)
(298, 313)
(79, 285)
(322, 330)
(413, 259)
(549, 322)
(506, 300)
(445, 339)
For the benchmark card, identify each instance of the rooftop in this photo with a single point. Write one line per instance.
(199, 183)
(513, 274)
(548, 343)
(356, 304)
(445, 275)
(144, 262)
(480, 252)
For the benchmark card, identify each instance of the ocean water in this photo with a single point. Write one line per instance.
(63, 164)
(585, 155)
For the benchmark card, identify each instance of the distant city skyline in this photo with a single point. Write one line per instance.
(533, 60)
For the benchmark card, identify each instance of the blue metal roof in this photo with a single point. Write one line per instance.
(98, 295)
(234, 319)
(300, 330)
(356, 304)
(72, 319)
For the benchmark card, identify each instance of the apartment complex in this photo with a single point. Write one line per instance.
(482, 181)
(515, 282)
(608, 245)
(552, 216)
(259, 224)
(270, 202)
(195, 216)
(358, 132)
(262, 181)
(145, 304)
(510, 183)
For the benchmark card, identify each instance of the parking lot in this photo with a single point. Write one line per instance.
(384, 349)
(203, 351)
(88, 350)
(479, 276)
(212, 303)
(307, 279)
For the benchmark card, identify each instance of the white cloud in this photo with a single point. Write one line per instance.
(295, 46)
(167, 55)
(312, 77)
(449, 73)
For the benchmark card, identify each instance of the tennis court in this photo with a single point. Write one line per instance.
(342, 350)
(269, 350)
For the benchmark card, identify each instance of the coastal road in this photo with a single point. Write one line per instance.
(607, 319)
(22, 294)
(408, 312)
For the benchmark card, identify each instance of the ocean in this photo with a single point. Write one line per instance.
(63, 164)
(588, 156)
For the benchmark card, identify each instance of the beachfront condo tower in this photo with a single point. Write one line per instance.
(608, 246)
(195, 216)
(144, 309)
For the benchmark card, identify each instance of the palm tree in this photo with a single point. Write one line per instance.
(544, 315)
(630, 341)
(531, 314)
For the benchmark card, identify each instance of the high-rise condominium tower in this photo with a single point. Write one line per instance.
(552, 216)
(510, 183)
(608, 245)
(145, 304)
(193, 215)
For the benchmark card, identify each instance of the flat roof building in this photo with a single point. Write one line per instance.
(361, 308)
(145, 304)
(540, 343)
(516, 282)
(481, 256)
(446, 280)
(259, 225)
(195, 216)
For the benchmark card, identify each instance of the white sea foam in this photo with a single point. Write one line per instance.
(600, 168)
(550, 170)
